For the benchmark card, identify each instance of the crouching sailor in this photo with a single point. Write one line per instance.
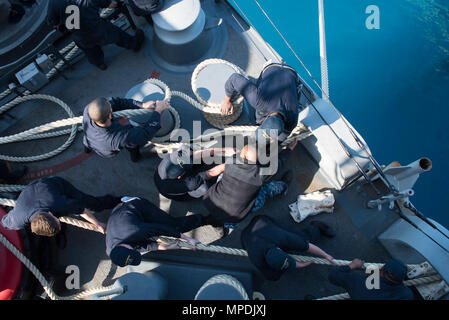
(134, 222)
(390, 284)
(266, 240)
(178, 177)
(106, 136)
(43, 201)
(274, 97)
(244, 186)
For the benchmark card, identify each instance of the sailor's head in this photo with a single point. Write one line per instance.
(394, 271)
(255, 152)
(45, 224)
(279, 260)
(249, 151)
(123, 255)
(100, 111)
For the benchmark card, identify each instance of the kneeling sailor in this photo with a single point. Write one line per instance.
(133, 223)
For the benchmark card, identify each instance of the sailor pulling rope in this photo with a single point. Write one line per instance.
(182, 244)
(211, 113)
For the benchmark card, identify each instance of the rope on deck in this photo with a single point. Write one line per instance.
(40, 277)
(211, 111)
(41, 132)
(184, 244)
(17, 137)
(224, 279)
(209, 248)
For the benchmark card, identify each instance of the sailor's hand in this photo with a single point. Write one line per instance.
(330, 259)
(161, 106)
(192, 241)
(228, 152)
(356, 264)
(226, 106)
(293, 144)
(102, 227)
(173, 246)
(303, 264)
(149, 105)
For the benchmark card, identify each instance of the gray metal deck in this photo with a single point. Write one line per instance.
(119, 176)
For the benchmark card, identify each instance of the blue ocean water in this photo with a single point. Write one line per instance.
(392, 84)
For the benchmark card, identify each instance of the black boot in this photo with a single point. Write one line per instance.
(287, 177)
(103, 66)
(87, 149)
(134, 154)
(325, 229)
(138, 40)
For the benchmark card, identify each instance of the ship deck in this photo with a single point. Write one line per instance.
(119, 176)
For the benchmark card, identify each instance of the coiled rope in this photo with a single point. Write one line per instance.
(211, 111)
(41, 132)
(18, 137)
(224, 279)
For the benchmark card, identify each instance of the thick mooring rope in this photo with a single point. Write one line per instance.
(40, 277)
(42, 131)
(224, 279)
(211, 114)
(211, 111)
(210, 248)
(185, 244)
(18, 137)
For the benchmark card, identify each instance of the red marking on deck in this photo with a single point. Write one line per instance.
(58, 167)
(155, 74)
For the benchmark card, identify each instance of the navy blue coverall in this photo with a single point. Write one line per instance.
(107, 142)
(274, 92)
(264, 233)
(136, 221)
(55, 195)
(94, 31)
(354, 282)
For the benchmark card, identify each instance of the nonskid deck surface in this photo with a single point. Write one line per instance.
(119, 176)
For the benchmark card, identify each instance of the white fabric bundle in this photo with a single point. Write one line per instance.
(312, 204)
